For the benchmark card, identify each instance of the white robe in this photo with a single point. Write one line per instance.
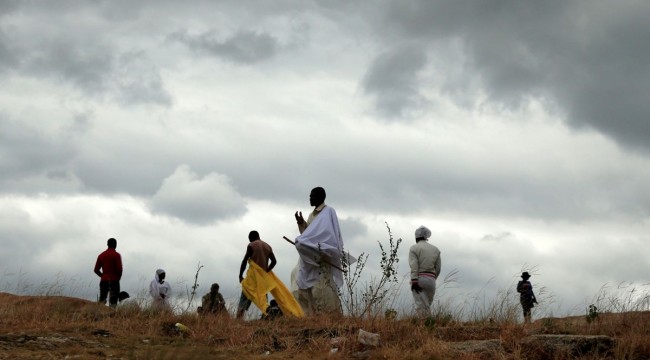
(321, 240)
(156, 289)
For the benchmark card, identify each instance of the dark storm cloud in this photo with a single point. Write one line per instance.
(392, 80)
(139, 81)
(352, 228)
(71, 46)
(247, 47)
(8, 6)
(7, 58)
(592, 59)
(26, 151)
(88, 66)
(130, 77)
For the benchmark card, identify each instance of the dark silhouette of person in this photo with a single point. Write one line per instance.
(260, 253)
(526, 296)
(109, 269)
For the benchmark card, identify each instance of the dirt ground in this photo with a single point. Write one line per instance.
(35, 327)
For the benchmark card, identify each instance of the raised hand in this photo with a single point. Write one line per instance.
(299, 219)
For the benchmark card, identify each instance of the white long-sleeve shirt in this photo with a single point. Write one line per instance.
(424, 257)
(158, 289)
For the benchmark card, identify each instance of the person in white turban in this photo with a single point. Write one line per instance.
(425, 263)
(160, 291)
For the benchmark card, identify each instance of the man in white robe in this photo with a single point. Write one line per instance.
(317, 277)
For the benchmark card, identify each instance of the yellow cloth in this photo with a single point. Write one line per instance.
(259, 282)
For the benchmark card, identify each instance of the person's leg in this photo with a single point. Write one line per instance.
(103, 291)
(525, 316)
(526, 310)
(420, 300)
(244, 304)
(428, 286)
(114, 289)
(311, 303)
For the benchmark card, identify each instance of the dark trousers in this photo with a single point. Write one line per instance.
(106, 287)
(527, 305)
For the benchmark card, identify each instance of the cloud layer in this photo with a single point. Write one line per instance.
(515, 131)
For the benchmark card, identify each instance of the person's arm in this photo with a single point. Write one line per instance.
(153, 290)
(415, 269)
(273, 262)
(119, 267)
(242, 268)
(98, 265)
(413, 264)
(532, 294)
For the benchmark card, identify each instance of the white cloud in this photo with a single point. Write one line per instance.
(201, 200)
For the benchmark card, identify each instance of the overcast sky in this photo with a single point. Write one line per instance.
(518, 132)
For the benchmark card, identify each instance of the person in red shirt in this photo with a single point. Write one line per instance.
(109, 269)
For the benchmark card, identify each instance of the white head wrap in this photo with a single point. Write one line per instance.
(156, 288)
(422, 232)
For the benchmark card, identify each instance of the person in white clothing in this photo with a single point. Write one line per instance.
(160, 291)
(317, 276)
(425, 264)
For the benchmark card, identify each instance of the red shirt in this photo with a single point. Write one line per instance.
(110, 262)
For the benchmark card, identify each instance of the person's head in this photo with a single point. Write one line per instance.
(273, 303)
(123, 295)
(422, 233)
(160, 275)
(525, 275)
(112, 243)
(253, 235)
(317, 196)
(214, 288)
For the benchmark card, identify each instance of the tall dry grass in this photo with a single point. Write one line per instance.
(53, 308)
(143, 334)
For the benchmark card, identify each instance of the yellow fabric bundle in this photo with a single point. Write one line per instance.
(259, 282)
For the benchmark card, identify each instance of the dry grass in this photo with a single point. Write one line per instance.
(62, 327)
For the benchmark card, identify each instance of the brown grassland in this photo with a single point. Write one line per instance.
(58, 327)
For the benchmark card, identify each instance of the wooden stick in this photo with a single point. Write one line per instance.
(326, 261)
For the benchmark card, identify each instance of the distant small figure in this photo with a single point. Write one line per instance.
(160, 291)
(212, 302)
(126, 302)
(592, 313)
(273, 311)
(390, 314)
(109, 269)
(425, 264)
(526, 296)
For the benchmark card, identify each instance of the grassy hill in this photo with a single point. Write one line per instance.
(57, 327)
